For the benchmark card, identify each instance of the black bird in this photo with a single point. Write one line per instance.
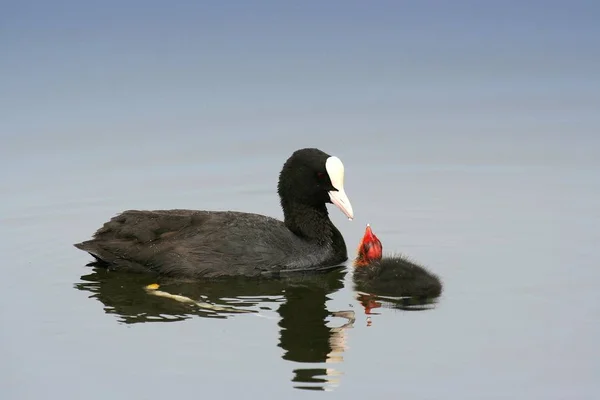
(211, 244)
(393, 276)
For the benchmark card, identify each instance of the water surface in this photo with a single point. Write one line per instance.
(469, 133)
(513, 245)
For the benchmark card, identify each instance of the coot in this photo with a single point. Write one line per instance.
(393, 276)
(210, 244)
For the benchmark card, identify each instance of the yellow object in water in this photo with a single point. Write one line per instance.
(152, 289)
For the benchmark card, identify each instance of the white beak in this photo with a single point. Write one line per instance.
(340, 199)
(335, 170)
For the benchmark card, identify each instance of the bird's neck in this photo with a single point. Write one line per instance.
(309, 222)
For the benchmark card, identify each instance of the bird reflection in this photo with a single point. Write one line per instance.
(371, 302)
(305, 336)
(309, 333)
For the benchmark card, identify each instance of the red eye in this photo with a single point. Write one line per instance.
(320, 175)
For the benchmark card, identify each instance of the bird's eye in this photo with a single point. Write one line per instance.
(320, 175)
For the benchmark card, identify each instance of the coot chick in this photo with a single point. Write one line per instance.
(393, 276)
(210, 244)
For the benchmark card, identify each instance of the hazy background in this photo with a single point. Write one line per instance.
(469, 131)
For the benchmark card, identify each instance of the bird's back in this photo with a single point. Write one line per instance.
(397, 276)
(202, 244)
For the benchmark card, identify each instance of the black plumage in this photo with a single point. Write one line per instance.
(391, 275)
(197, 244)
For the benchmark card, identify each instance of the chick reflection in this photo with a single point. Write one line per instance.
(304, 318)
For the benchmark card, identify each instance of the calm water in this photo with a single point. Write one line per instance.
(513, 243)
(469, 132)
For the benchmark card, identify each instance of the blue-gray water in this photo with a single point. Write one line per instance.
(470, 140)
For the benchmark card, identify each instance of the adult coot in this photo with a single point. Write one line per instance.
(393, 276)
(210, 244)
